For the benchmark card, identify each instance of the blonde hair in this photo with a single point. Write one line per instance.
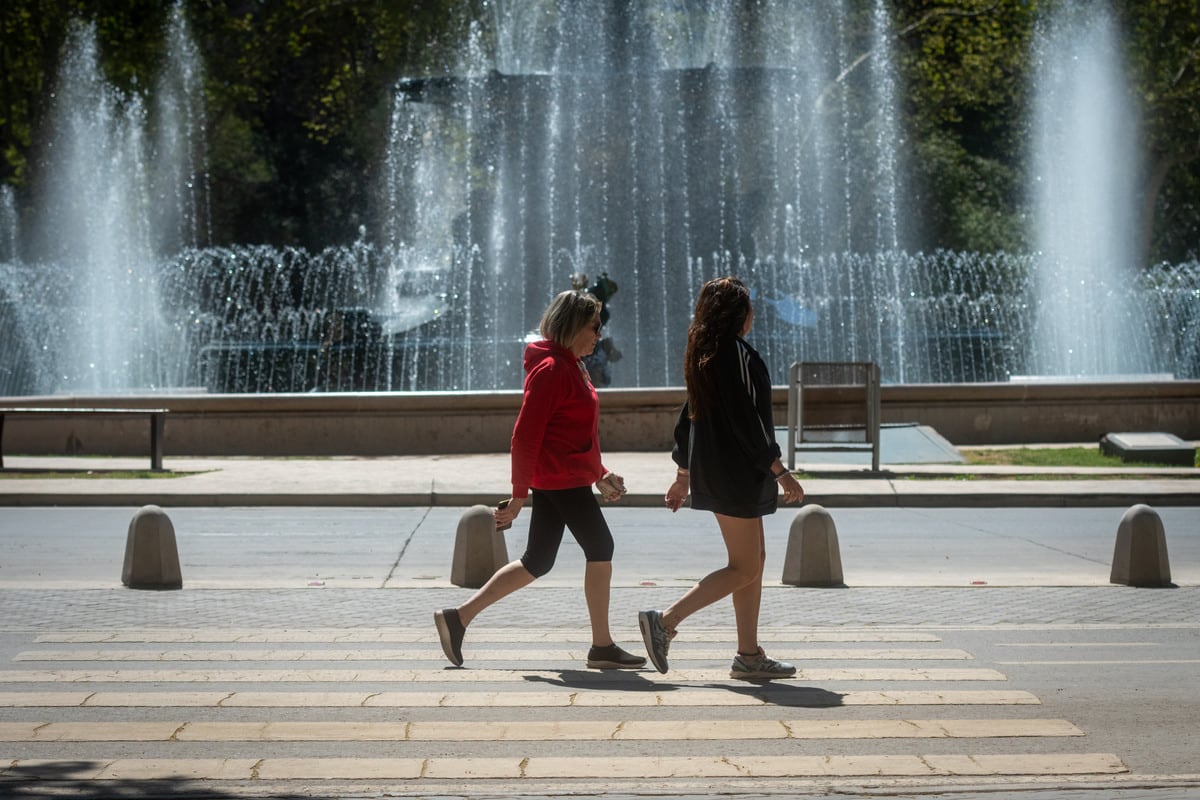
(567, 315)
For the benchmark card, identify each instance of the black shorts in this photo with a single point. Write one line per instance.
(557, 509)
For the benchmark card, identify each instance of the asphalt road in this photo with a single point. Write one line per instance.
(413, 546)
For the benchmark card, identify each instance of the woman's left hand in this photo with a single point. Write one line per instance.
(611, 487)
(793, 492)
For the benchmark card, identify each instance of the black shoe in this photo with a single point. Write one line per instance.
(613, 657)
(450, 630)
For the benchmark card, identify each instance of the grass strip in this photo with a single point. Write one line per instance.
(1050, 457)
(90, 474)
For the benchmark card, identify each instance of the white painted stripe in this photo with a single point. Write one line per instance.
(548, 767)
(449, 675)
(1076, 644)
(1099, 662)
(481, 634)
(1054, 626)
(530, 731)
(511, 654)
(749, 695)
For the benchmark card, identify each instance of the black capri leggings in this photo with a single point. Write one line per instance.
(555, 509)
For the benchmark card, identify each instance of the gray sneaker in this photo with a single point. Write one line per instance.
(760, 667)
(656, 637)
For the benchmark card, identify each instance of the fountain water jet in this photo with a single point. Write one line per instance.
(93, 223)
(1085, 187)
(9, 238)
(116, 191)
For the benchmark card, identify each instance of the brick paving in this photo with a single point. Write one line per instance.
(561, 607)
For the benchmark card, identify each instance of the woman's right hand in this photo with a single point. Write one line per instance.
(677, 493)
(505, 516)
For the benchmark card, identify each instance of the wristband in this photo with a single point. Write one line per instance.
(780, 474)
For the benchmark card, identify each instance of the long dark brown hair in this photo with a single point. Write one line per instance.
(721, 312)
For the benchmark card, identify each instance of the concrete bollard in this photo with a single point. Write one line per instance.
(151, 555)
(1140, 558)
(813, 557)
(479, 549)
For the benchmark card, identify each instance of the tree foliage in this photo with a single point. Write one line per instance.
(1164, 50)
(297, 94)
(31, 36)
(965, 65)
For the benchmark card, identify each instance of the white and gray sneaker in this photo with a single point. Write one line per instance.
(656, 638)
(760, 667)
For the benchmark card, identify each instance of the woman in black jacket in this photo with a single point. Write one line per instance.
(727, 455)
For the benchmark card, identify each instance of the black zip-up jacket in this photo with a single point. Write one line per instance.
(729, 451)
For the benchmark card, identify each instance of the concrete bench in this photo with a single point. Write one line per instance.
(157, 418)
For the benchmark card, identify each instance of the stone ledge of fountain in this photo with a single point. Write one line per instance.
(390, 423)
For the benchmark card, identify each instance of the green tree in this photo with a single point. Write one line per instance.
(965, 63)
(1164, 50)
(299, 93)
(31, 36)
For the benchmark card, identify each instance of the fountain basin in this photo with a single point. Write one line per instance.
(640, 420)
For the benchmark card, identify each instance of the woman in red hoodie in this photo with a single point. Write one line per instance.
(556, 458)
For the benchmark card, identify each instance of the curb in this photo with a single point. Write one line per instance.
(1082, 498)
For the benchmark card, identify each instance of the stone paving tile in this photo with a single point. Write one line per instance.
(36, 609)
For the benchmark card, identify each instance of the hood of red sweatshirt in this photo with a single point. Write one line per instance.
(539, 350)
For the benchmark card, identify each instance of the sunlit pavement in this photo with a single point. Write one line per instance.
(977, 650)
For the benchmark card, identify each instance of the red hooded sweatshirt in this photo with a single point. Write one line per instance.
(555, 443)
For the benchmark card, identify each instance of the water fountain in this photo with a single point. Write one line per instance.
(661, 148)
(665, 150)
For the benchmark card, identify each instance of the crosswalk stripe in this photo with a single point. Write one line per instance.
(530, 731)
(749, 695)
(512, 654)
(482, 634)
(1102, 662)
(556, 767)
(566, 677)
(1056, 645)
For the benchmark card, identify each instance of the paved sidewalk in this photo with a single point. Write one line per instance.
(463, 480)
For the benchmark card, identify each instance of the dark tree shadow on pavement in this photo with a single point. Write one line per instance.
(66, 779)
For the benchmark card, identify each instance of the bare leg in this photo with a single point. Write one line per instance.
(597, 583)
(744, 544)
(747, 601)
(505, 581)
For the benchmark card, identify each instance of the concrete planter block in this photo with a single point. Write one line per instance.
(1140, 558)
(151, 555)
(479, 549)
(813, 557)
